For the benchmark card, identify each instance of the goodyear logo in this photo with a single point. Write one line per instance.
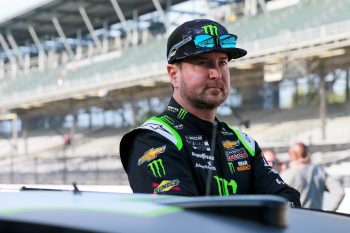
(167, 185)
(151, 154)
(230, 144)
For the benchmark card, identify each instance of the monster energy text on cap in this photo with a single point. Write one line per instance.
(187, 31)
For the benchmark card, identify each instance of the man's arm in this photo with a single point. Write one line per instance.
(268, 181)
(336, 190)
(157, 166)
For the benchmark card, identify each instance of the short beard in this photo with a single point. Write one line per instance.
(198, 102)
(201, 104)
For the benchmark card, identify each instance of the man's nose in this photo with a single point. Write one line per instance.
(215, 72)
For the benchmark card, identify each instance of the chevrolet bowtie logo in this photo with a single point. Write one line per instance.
(151, 154)
(230, 144)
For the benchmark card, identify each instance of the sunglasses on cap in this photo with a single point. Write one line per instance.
(205, 41)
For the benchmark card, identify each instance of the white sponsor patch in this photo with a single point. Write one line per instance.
(207, 166)
(159, 128)
(242, 163)
(279, 181)
(202, 156)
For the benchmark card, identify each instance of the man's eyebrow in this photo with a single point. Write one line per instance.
(223, 57)
(199, 58)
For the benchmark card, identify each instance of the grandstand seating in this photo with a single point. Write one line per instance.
(307, 14)
(130, 58)
(282, 127)
(97, 150)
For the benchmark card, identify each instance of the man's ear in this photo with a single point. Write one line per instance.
(173, 73)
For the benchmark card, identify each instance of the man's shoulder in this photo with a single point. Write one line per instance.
(248, 142)
(155, 126)
(152, 130)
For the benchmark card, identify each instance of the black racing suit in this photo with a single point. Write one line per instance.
(171, 154)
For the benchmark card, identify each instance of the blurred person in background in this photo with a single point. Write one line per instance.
(311, 180)
(273, 161)
(186, 150)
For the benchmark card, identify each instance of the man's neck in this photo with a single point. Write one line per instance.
(204, 114)
(299, 162)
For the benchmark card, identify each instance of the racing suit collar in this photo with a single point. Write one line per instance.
(175, 109)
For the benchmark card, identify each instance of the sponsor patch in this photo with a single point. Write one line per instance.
(157, 168)
(202, 156)
(225, 187)
(194, 137)
(229, 145)
(208, 166)
(166, 185)
(178, 127)
(266, 164)
(231, 166)
(198, 142)
(226, 133)
(242, 163)
(236, 154)
(151, 154)
(167, 119)
(172, 109)
(273, 170)
(244, 168)
(182, 113)
(278, 181)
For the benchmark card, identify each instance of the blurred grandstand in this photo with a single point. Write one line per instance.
(76, 75)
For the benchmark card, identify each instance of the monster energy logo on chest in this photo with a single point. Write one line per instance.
(210, 29)
(157, 168)
(225, 188)
(232, 168)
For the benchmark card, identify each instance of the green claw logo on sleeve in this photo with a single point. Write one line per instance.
(157, 168)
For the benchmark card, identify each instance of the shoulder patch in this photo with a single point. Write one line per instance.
(246, 140)
(155, 124)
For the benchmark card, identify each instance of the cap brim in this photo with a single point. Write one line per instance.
(236, 53)
(232, 53)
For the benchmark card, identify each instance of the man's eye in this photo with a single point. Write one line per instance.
(203, 62)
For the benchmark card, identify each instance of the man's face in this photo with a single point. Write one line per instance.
(270, 158)
(203, 81)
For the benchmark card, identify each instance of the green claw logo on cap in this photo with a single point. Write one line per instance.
(210, 29)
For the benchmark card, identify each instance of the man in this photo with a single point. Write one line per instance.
(311, 180)
(186, 150)
(272, 160)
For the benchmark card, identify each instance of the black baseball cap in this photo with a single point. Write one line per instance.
(192, 28)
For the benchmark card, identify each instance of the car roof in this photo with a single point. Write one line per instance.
(115, 212)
